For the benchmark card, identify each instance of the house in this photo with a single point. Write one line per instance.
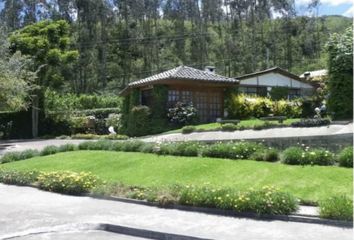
(317, 76)
(203, 88)
(262, 82)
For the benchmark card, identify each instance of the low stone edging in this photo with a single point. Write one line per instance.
(221, 212)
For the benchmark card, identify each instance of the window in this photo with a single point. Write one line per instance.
(173, 96)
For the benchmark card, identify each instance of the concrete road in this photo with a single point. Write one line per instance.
(286, 132)
(25, 211)
(20, 145)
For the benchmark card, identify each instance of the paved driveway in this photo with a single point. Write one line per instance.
(25, 210)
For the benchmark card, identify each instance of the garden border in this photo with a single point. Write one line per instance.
(220, 212)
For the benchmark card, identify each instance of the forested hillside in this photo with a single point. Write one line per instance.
(120, 41)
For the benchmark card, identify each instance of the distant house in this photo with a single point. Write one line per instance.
(262, 82)
(204, 89)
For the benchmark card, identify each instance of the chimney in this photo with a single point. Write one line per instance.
(210, 69)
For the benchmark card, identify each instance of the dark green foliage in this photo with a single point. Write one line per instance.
(299, 156)
(18, 177)
(278, 93)
(48, 150)
(182, 114)
(237, 150)
(269, 155)
(188, 129)
(340, 50)
(67, 147)
(17, 156)
(311, 122)
(180, 149)
(55, 102)
(158, 108)
(292, 155)
(229, 127)
(129, 146)
(345, 157)
(337, 207)
(95, 145)
(139, 121)
(15, 125)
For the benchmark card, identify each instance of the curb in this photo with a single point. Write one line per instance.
(136, 232)
(301, 218)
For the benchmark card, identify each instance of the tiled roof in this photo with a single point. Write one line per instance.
(273, 69)
(314, 74)
(184, 73)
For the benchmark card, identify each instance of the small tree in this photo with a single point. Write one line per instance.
(16, 80)
(340, 69)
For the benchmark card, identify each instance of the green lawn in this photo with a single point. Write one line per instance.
(307, 183)
(244, 123)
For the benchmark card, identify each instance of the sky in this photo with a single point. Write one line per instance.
(327, 7)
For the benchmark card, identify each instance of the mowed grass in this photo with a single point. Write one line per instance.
(243, 123)
(310, 183)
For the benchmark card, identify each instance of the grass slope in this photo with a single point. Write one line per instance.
(308, 183)
(243, 123)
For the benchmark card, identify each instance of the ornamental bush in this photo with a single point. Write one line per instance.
(269, 155)
(48, 150)
(345, 157)
(292, 156)
(232, 150)
(18, 177)
(180, 149)
(182, 114)
(67, 182)
(188, 129)
(139, 121)
(17, 156)
(229, 127)
(299, 156)
(337, 207)
(241, 106)
(268, 200)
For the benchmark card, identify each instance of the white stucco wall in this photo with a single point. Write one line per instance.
(274, 80)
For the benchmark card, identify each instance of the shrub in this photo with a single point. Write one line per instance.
(346, 157)
(318, 157)
(269, 155)
(238, 150)
(114, 120)
(179, 149)
(337, 207)
(229, 127)
(128, 146)
(18, 177)
(48, 150)
(182, 113)
(266, 201)
(188, 129)
(315, 122)
(292, 156)
(241, 106)
(67, 182)
(95, 145)
(298, 156)
(17, 156)
(90, 136)
(67, 147)
(139, 122)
